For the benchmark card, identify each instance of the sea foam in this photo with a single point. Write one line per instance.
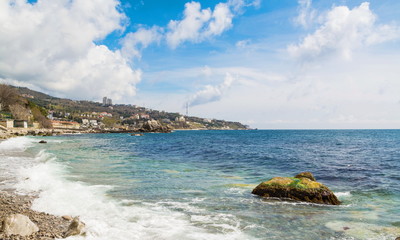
(106, 218)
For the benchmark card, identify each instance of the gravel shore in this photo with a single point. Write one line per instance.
(50, 226)
(15, 132)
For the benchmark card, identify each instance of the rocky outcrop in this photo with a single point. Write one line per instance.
(299, 188)
(75, 228)
(154, 126)
(18, 224)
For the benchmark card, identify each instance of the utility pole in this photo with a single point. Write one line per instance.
(187, 109)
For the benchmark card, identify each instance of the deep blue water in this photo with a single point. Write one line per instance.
(206, 177)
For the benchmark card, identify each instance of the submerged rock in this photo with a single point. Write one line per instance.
(137, 134)
(42, 141)
(18, 224)
(299, 188)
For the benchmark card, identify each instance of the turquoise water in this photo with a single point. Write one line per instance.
(197, 184)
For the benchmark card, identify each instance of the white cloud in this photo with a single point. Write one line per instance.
(211, 93)
(220, 21)
(306, 13)
(50, 44)
(190, 26)
(238, 5)
(134, 43)
(343, 31)
(199, 24)
(243, 43)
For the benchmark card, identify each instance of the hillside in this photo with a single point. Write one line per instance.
(118, 115)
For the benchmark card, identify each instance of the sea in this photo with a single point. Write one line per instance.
(197, 184)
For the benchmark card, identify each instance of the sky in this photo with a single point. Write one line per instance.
(271, 64)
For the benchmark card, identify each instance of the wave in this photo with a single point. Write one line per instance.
(343, 194)
(17, 144)
(105, 217)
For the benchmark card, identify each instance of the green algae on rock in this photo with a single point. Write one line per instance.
(299, 188)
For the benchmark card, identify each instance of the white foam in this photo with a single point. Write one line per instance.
(17, 144)
(107, 218)
(343, 194)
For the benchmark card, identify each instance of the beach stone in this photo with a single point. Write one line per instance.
(67, 217)
(299, 189)
(75, 228)
(18, 224)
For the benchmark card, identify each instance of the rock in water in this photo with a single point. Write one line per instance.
(42, 141)
(154, 126)
(18, 224)
(75, 228)
(299, 188)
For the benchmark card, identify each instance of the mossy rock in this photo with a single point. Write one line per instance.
(297, 188)
(306, 175)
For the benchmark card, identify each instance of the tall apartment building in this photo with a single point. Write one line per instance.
(107, 101)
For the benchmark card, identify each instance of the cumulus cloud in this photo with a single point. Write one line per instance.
(343, 31)
(211, 93)
(199, 24)
(51, 44)
(134, 43)
(306, 14)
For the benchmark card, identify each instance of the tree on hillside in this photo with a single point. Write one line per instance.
(19, 112)
(40, 118)
(8, 96)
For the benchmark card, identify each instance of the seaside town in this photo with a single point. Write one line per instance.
(27, 112)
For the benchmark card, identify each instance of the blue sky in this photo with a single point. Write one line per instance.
(267, 63)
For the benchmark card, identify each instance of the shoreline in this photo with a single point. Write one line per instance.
(18, 132)
(13, 203)
(50, 226)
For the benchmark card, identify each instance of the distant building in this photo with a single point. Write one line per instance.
(107, 101)
(20, 123)
(180, 119)
(27, 95)
(93, 123)
(65, 125)
(135, 116)
(105, 114)
(36, 125)
(7, 123)
(144, 116)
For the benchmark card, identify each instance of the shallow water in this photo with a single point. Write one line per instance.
(197, 184)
